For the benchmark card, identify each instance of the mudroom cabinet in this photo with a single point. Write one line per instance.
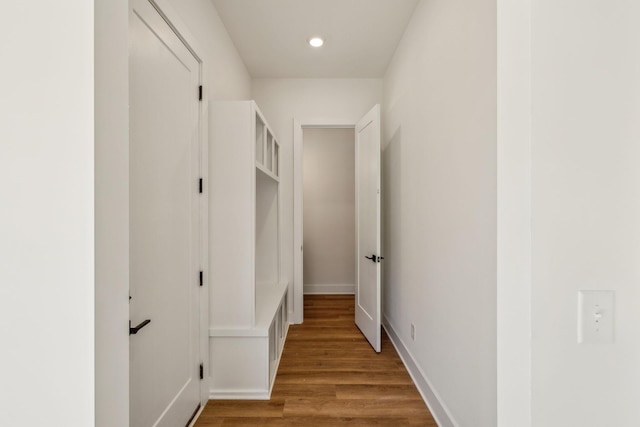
(249, 311)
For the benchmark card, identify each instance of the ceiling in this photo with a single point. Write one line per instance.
(272, 35)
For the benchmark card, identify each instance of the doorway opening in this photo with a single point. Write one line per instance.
(329, 211)
(329, 222)
(299, 128)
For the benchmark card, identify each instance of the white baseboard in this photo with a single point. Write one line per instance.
(195, 418)
(239, 395)
(438, 409)
(329, 289)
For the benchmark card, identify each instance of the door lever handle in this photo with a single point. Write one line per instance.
(372, 257)
(133, 331)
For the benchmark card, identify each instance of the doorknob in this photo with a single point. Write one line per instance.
(133, 331)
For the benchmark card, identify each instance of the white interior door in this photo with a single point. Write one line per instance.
(368, 226)
(164, 223)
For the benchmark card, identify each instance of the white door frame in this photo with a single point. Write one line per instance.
(172, 18)
(298, 125)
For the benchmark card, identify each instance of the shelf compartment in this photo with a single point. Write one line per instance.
(276, 159)
(261, 128)
(268, 157)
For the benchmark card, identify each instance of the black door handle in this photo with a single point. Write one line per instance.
(374, 258)
(133, 331)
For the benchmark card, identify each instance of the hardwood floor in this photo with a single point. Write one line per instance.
(330, 376)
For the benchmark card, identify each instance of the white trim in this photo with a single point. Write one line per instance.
(204, 243)
(297, 308)
(239, 395)
(239, 333)
(204, 239)
(195, 419)
(436, 406)
(168, 13)
(329, 289)
(514, 214)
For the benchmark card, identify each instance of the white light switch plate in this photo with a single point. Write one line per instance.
(595, 317)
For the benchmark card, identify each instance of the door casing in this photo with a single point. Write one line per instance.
(297, 303)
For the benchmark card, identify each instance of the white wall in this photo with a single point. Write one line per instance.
(329, 206)
(283, 100)
(439, 192)
(47, 214)
(585, 208)
(111, 213)
(226, 76)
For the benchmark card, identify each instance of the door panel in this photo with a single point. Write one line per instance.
(164, 218)
(368, 310)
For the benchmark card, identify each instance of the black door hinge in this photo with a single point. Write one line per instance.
(200, 185)
(200, 93)
(201, 281)
(201, 371)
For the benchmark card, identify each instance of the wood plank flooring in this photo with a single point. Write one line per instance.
(330, 376)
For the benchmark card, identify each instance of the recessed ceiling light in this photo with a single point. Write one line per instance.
(316, 41)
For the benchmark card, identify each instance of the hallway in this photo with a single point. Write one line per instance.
(330, 376)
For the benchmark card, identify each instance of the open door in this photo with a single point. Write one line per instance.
(368, 311)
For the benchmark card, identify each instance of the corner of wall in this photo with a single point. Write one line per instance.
(111, 160)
